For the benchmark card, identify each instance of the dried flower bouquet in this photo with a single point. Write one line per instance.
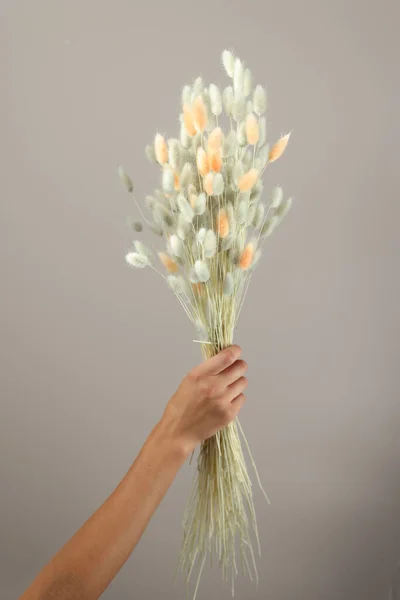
(210, 217)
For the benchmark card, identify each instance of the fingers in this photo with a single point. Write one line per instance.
(237, 403)
(236, 388)
(219, 362)
(232, 373)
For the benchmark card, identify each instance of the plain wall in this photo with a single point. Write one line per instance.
(91, 351)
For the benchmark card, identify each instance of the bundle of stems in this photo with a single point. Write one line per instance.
(209, 213)
(219, 508)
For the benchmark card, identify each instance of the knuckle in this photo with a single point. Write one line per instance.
(192, 377)
(240, 400)
(235, 408)
(222, 408)
(229, 355)
(244, 381)
(202, 384)
(208, 388)
(240, 367)
(212, 389)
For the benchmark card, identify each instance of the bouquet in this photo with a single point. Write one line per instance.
(212, 224)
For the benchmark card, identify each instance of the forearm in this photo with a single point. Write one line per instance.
(89, 561)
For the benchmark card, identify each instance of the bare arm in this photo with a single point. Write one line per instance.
(208, 398)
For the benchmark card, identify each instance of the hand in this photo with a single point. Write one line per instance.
(208, 398)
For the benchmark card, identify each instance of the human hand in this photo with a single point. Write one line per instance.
(208, 398)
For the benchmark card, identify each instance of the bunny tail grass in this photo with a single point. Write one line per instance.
(211, 224)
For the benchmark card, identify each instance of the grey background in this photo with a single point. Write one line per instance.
(91, 352)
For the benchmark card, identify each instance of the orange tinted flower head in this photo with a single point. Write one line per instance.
(222, 223)
(168, 263)
(246, 257)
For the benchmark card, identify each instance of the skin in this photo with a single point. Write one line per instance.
(207, 399)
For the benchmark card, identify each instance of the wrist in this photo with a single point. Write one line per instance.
(165, 437)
